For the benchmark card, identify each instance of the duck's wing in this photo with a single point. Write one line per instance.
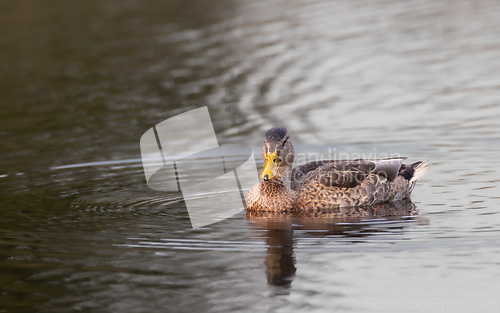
(345, 173)
(300, 172)
(389, 168)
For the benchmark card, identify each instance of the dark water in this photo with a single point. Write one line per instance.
(81, 82)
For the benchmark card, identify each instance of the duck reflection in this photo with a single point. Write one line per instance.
(347, 222)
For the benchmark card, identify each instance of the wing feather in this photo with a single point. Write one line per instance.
(345, 173)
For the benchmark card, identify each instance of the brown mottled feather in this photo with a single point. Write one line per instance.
(270, 196)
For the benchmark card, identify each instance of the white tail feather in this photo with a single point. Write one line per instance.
(420, 170)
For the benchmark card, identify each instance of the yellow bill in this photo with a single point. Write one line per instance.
(271, 166)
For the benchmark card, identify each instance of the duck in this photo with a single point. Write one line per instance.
(327, 184)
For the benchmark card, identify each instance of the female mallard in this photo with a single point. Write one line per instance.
(327, 184)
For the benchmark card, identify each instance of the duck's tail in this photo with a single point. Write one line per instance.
(419, 169)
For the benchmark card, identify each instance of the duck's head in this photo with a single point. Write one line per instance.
(278, 154)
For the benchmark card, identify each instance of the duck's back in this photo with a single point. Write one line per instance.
(326, 184)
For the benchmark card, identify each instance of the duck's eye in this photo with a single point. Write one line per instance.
(274, 160)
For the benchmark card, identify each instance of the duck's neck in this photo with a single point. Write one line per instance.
(284, 177)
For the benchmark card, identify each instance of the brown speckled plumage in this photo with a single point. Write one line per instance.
(270, 196)
(340, 214)
(374, 189)
(328, 184)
